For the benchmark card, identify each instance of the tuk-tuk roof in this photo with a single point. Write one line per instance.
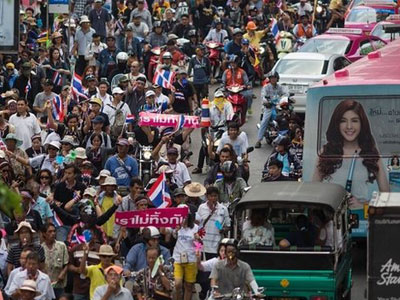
(302, 192)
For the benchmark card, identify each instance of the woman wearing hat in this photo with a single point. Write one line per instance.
(58, 42)
(13, 149)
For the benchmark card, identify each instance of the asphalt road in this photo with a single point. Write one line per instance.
(257, 159)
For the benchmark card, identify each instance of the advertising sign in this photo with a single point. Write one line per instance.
(356, 144)
(58, 6)
(9, 26)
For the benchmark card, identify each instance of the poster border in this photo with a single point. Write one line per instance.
(14, 48)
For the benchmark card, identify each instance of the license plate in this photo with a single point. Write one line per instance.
(297, 89)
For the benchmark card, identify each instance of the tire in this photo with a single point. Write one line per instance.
(146, 178)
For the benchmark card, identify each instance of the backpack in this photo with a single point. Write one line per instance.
(118, 125)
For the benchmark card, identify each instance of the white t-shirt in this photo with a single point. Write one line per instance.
(25, 128)
(184, 243)
(162, 99)
(240, 145)
(208, 265)
(110, 110)
(181, 173)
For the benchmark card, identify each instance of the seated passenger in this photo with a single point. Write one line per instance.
(304, 236)
(324, 225)
(257, 231)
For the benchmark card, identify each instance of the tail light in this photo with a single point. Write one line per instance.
(319, 297)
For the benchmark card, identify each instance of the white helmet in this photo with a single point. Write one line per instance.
(218, 94)
(154, 232)
(121, 57)
(167, 55)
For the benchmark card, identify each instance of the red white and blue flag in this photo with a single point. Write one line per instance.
(164, 78)
(28, 87)
(3, 145)
(130, 119)
(56, 220)
(58, 108)
(275, 29)
(159, 193)
(180, 123)
(57, 79)
(77, 88)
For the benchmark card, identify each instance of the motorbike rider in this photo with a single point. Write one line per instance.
(232, 272)
(175, 53)
(274, 172)
(237, 76)
(230, 186)
(270, 95)
(190, 47)
(221, 111)
(157, 38)
(121, 67)
(304, 29)
(218, 34)
(253, 35)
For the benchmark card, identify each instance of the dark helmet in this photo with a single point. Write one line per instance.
(191, 33)
(273, 74)
(228, 167)
(281, 140)
(234, 58)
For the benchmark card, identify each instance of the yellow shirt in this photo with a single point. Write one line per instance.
(255, 39)
(97, 277)
(109, 225)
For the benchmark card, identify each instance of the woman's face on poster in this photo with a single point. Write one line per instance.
(350, 126)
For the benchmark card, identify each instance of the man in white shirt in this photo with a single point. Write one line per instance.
(214, 218)
(117, 104)
(304, 8)
(236, 138)
(160, 97)
(217, 34)
(26, 124)
(32, 272)
(102, 92)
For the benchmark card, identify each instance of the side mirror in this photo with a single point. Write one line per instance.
(354, 221)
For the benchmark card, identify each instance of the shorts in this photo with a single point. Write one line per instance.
(187, 272)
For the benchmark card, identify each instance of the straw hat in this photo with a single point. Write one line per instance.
(109, 181)
(195, 189)
(24, 224)
(106, 250)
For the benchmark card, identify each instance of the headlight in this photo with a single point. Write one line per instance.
(147, 155)
(319, 9)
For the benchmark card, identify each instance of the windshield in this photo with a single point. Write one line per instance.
(379, 32)
(369, 15)
(289, 225)
(302, 67)
(326, 46)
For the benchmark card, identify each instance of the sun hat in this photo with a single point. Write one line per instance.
(68, 139)
(55, 144)
(84, 19)
(95, 100)
(150, 93)
(29, 285)
(8, 94)
(90, 191)
(24, 224)
(195, 189)
(103, 173)
(106, 250)
(117, 90)
(109, 181)
(80, 153)
(12, 136)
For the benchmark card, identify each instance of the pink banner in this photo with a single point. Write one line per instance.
(164, 217)
(156, 120)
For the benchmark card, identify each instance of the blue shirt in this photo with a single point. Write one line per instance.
(136, 259)
(233, 48)
(122, 174)
(43, 208)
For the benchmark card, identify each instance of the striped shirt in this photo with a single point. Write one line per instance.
(213, 235)
(15, 253)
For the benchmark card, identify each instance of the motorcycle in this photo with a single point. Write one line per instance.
(238, 101)
(214, 55)
(322, 17)
(146, 163)
(237, 294)
(285, 43)
(299, 43)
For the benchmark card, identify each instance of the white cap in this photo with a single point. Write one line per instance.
(150, 93)
(117, 90)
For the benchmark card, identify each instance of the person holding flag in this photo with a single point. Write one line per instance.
(56, 69)
(182, 96)
(39, 105)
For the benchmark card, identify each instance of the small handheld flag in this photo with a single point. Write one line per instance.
(205, 113)
(159, 193)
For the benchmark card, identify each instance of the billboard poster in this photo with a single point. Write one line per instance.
(357, 145)
(58, 6)
(9, 26)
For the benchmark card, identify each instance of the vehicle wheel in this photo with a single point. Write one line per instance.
(146, 179)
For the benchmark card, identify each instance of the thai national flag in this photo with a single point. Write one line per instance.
(275, 29)
(78, 239)
(58, 108)
(164, 78)
(57, 79)
(56, 220)
(77, 88)
(42, 37)
(159, 193)
(28, 86)
(3, 145)
(180, 123)
(130, 119)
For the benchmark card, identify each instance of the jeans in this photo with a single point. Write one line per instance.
(264, 123)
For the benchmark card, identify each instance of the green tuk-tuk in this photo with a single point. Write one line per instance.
(309, 256)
